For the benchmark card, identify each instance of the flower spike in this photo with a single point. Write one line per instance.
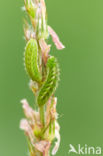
(40, 124)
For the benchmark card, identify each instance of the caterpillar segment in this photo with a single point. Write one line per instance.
(31, 60)
(51, 82)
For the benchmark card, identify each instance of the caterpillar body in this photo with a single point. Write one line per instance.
(31, 60)
(51, 82)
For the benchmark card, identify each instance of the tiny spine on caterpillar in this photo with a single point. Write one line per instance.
(31, 60)
(50, 84)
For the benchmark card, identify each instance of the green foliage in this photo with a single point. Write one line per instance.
(31, 60)
(50, 83)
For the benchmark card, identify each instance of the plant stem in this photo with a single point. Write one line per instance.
(42, 116)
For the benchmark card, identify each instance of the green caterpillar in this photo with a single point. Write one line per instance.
(51, 82)
(31, 60)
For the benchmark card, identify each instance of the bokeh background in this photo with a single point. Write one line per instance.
(79, 23)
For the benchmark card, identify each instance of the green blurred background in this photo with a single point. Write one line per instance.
(79, 23)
